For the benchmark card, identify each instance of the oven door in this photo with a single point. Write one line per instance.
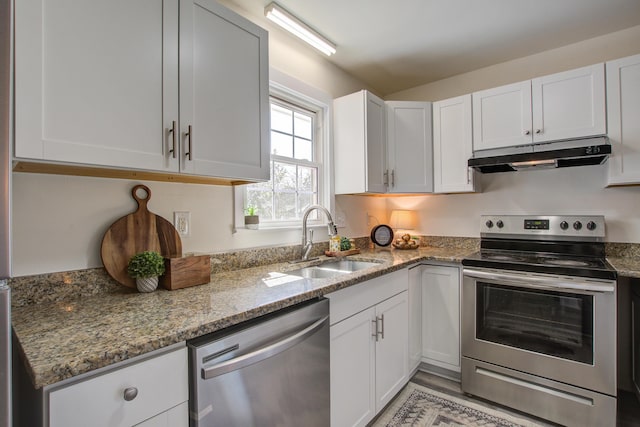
(557, 327)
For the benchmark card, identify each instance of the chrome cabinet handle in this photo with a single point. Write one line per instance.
(188, 135)
(527, 132)
(379, 332)
(130, 393)
(385, 181)
(538, 131)
(172, 131)
(393, 177)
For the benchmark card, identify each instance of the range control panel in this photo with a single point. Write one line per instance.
(552, 226)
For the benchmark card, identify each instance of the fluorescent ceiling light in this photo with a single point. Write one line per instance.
(298, 28)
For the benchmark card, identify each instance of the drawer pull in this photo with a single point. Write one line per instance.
(130, 393)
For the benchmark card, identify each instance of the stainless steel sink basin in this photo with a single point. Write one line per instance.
(331, 269)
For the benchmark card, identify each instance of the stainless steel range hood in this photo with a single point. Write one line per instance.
(562, 154)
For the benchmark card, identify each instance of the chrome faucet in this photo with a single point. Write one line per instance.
(307, 243)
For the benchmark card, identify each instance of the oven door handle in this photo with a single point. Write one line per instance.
(538, 282)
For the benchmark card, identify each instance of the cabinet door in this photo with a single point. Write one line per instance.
(224, 93)
(410, 147)
(177, 416)
(392, 348)
(452, 146)
(569, 104)
(502, 116)
(441, 316)
(96, 82)
(623, 109)
(377, 170)
(353, 370)
(359, 140)
(415, 317)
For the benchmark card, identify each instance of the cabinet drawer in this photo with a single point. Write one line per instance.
(354, 299)
(162, 383)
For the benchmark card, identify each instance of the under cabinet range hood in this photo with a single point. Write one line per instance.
(582, 152)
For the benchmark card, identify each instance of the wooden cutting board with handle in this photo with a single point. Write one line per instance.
(137, 232)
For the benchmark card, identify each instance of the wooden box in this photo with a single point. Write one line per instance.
(185, 271)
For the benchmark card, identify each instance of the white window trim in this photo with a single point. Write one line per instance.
(290, 88)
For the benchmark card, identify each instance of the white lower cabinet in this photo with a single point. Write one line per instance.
(153, 392)
(177, 416)
(441, 316)
(415, 317)
(369, 347)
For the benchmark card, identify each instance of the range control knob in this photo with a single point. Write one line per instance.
(564, 225)
(489, 223)
(591, 225)
(499, 223)
(577, 225)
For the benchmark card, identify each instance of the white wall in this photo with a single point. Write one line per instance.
(578, 191)
(600, 49)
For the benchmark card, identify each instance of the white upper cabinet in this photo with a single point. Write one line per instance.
(91, 85)
(623, 108)
(381, 147)
(502, 116)
(224, 92)
(409, 147)
(359, 138)
(97, 83)
(561, 106)
(568, 105)
(452, 146)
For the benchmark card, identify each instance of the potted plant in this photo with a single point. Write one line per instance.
(145, 267)
(251, 218)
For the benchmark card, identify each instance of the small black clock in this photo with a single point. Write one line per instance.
(382, 235)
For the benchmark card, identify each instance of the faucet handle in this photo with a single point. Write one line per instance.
(333, 230)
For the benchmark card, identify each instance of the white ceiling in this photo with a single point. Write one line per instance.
(399, 44)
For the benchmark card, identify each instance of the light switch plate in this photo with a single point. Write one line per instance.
(182, 222)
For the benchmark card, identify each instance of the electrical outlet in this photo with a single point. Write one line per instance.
(182, 222)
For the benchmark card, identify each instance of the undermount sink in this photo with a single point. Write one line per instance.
(331, 269)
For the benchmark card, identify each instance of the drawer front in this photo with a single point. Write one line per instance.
(349, 301)
(161, 383)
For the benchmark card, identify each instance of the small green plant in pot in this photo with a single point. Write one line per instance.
(251, 218)
(145, 267)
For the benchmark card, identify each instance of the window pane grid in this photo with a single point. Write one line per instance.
(294, 173)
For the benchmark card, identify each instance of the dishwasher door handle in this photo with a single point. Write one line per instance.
(263, 353)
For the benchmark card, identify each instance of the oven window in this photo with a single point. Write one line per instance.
(554, 323)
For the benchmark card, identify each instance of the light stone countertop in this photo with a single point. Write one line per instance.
(71, 336)
(626, 266)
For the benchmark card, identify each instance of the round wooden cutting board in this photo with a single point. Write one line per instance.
(137, 232)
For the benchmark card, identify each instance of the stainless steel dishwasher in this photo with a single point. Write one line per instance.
(270, 371)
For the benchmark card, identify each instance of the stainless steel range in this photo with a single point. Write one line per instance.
(539, 318)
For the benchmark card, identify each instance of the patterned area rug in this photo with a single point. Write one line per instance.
(419, 406)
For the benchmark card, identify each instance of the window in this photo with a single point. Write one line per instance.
(296, 164)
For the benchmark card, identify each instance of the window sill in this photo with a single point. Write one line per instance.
(265, 228)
